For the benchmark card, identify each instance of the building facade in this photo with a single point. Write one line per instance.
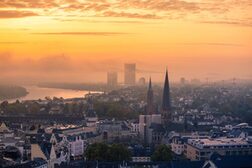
(148, 125)
(112, 79)
(202, 149)
(130, 74)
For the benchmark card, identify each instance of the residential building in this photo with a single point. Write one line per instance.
(202, 149)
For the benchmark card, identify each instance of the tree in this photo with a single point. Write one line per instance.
(4, 104)
(162, 153)
(115, 110)
(118, 152)
(103, 152)
(34, 108)
(16, 108)
(97, 151)
(66, 109)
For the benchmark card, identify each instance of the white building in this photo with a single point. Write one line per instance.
(77, 146)
(92, 121)
(134, 127)
(5, 132)
(141, 159)
(145, 123)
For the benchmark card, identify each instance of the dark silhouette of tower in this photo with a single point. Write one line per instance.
(150, 101)
(166, 104)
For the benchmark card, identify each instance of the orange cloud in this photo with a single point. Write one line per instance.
(6, 14)
(29, 4)
(11, 42)
(130, 15)
(82, 33)
(160, 5)
(215, 44)
(246, 23)
(143, 9)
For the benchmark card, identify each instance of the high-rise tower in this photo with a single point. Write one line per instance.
(166, 104)
(112, 79)
(150, 101)
(130, 74)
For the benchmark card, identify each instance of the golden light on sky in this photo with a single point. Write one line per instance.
(51, 40)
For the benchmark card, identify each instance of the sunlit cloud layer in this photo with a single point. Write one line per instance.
(207, 11)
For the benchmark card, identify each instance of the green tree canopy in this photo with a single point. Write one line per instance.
(116, 110)
(103, 152)
(118, 152)
(162, 153)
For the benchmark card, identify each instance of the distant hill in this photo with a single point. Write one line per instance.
(12, 92)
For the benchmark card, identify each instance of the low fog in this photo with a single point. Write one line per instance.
(71, 69)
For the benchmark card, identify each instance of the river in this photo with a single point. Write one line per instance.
(36, 93)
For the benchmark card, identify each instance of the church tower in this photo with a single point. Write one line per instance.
(166, 104)
(150, 109)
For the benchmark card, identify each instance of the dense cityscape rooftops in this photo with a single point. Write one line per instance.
(196, 123)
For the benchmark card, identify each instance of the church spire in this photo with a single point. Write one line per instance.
(150, 102)
(150, 85)
(166, 105)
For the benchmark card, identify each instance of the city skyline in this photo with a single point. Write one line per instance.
(57, 40)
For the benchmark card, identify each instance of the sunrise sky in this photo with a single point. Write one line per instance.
(80, 40)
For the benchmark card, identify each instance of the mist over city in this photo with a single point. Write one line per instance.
(90, 69)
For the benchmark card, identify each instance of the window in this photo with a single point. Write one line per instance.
(233, 152)
(206, 147)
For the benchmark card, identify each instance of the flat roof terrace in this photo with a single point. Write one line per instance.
(220, 143)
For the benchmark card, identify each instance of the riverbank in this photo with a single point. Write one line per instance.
(35, 93)
(98, 87)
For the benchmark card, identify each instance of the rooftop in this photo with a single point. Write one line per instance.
(208, 142)
(37, 162)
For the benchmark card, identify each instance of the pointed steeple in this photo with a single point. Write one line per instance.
(150, 85)
(52, 153)
(166, 105)
(150, 102)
